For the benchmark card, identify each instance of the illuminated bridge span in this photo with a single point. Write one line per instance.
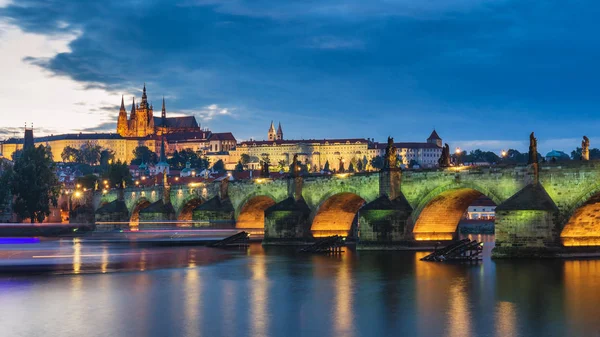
(388, 208)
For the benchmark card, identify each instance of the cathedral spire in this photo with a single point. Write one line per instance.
(132, 115)
(279, 132)
(272, 134)
(122, 127)
(164, 111)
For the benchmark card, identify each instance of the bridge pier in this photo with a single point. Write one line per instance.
(214, 213)
(288, 221)
(385, 222)
(527, 225)
(158, 212)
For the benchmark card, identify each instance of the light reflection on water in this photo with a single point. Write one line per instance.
(198, 291)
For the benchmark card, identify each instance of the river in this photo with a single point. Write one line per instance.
(75, 288)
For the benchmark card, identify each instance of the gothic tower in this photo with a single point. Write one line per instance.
(122, 124)
(272, 133)
(132, 120)
(279, 132)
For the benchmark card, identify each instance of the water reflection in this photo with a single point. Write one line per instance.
(275, 292)
(344, 294)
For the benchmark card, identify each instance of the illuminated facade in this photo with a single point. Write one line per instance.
(141, 129)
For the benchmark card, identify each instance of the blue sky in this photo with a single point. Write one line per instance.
(483, 73)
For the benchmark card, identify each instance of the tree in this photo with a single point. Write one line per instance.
(117, 173)
(359, 166)
(365, 163)
(219, 166)
(89, 153)
(6, 173)
(69, 154)
(377, 162)
(245, 159)
(576, 154)
(17, 154)
(142, 154)
(106, 156)
(34, 184)
(239, 166)
(351, 167)
(281, 165)
(87, 181)
(326, 167)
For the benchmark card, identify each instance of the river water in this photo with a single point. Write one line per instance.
(66, 288)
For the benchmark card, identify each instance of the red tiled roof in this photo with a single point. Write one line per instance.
(434, 135)
(222, 136)
(382, 146)
(306, 141)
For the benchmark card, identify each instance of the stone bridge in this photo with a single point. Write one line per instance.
(383, 209)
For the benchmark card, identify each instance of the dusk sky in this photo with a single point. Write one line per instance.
(483, 73)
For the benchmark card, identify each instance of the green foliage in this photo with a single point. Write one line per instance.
(89, 153)
(142, 154)
(239, 167)
(34, 184)
(117, 173)
(219, 166)
(326, 167)
(69, 154)
(365, 162)
(281, 165)
(6, 174)
(180, 159)
(412, 163)
(576, 154)
(377, 162)
(87, 181)
(106, 157)
(359, 166)
(245, 159)
(17, 154)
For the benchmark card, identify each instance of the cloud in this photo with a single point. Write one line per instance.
(348, 9)
(211, 112)
(109, 127)
(332, 42)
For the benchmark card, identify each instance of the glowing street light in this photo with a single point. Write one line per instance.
(78, 185)
(137, 183)
(458, 150)
(503, 153)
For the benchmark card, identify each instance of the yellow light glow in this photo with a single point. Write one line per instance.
(78, 185)
(78, 194)
(259, 180)
(342, 175)
(105, 182)
(458, 150)
(143, 177)
(137, 182)
(104, 191)
(194, 184)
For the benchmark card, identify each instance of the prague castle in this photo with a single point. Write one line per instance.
(143, 123)
(142, 128)
(336, 152)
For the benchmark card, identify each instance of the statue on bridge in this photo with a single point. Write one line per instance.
(264, 169)
(391, 155)
(444, 160)
(585, 148)
(96, 185)
(295, 168)
(533, 159)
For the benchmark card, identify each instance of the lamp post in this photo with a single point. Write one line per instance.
(458, 152)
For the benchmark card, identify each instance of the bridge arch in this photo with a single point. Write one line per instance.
(187, 209)
(582, 220)
(438, 214)
(140, 204)
(337, 214)
(252, 212)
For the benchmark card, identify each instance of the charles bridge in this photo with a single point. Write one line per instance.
(542, 210)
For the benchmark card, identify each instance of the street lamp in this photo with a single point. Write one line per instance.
(458, 152)
(503, 153)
